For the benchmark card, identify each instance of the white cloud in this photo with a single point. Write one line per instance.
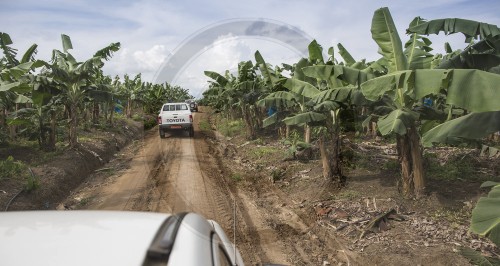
(131, 62)
(151, 59)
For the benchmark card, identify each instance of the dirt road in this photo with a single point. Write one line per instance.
(178, 174)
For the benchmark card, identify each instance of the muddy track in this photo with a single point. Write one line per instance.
(178, 174)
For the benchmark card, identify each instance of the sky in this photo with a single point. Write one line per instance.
(175, 41)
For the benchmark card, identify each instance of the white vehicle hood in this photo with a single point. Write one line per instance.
(76, 237)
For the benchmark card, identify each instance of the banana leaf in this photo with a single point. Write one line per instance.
(471, 89)
(477, 258)
(300, 87)
(375, 88)
(221, 80)
(348, 59)
(385, 34)
(326, 106)
(315, 52)
(469, 127)
(417, 49)
(106, 52)
(273, 119)
(279, 99)
(269, 77)
(485, 62)
(470, 28)
(323, 72)
(66, 43)
(22, 99)
(299, 74)
(396, 122)
(486, 215)
(29, 55)
(338, 95)
(304, 118)
(489, 151)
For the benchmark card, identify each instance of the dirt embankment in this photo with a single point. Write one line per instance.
(58, 176)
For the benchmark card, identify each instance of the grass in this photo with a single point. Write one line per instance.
(231, 128)
(357, 160)
(256, 153)
(236, 177)
(149, 122)
(346, 195)
(85, 201)
(392, 165)
(277, 174)
(9, 168)
(454, 217)
(204, 125)
(47, 156)
(32, 182)
(455, 169)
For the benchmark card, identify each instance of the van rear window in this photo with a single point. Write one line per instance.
(175, 107)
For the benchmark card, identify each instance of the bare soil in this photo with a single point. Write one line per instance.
(286, 213)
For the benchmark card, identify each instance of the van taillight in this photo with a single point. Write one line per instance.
(191, 118)
(159, 120)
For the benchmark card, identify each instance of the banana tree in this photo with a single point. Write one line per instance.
(46, 103)
(403, 88)
(13, 78)
(244, 91)
(130, 89)
(327, 89)
(218, 95)
(275, 96)
(402, 120)
(75, 77)
(483, 55)
(291, 102)
(99, 93)
(314, 96)
(299, 84)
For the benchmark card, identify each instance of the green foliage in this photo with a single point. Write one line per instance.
(385, 34)
(486, 214)
(346, 194)
(277, 174)
(204, 125)
(85, 201)
(32, 182)
(471, 29)
(454, 217)
(486, 222)
(477, 258)
(236, 177)
(149, 122)
(456, 168)
(473, 126)
(295, 142)
(12, 169)
(137, 117)
(231, 128)
(391, 165)
(258, 153)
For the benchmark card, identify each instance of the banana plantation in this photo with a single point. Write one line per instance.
(412, 96)
(51, 101)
